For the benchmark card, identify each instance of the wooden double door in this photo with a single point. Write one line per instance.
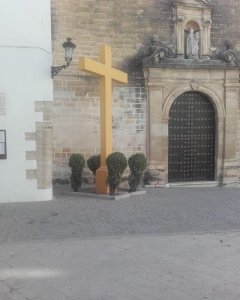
(191, 143)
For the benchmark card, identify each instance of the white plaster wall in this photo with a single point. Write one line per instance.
(25, 51)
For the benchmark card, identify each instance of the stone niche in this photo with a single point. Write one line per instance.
(169, 76)
(195, 15)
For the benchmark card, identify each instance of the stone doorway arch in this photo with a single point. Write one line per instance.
(218, 106)
(162, 93)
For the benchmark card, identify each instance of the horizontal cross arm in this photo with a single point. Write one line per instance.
(92, 66)
(119, 76)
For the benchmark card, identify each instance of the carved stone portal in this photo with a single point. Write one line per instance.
(193, 72)
(220, 85)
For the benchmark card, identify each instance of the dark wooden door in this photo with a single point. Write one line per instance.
(191, 143)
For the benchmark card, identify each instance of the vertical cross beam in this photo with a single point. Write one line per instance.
(104, 70)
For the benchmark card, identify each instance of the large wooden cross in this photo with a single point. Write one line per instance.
(104, 70)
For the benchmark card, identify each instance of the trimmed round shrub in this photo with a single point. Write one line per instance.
(116, 164)
(137, 164)
(94, 163)
(76, 163)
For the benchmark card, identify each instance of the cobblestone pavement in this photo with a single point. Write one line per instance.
(161, 211)
(170, 244)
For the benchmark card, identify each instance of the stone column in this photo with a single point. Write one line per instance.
(179, 29)
(206, 29)
(157, 132)
(230, 148)
(220, 144)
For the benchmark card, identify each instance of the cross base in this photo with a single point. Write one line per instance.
(101, 177)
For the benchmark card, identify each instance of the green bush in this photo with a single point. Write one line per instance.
(137, 164)
(116, 164)
(94, 163)
(76, 163)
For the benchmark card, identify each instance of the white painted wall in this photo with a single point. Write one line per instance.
(26, 57)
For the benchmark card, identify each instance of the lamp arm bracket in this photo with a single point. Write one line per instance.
(56, 69)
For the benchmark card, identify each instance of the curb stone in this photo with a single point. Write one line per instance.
(104, 197)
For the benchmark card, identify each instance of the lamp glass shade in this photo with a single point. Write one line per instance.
(68, 53)
(68, 45)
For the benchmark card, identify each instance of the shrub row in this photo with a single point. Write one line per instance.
(116, 164)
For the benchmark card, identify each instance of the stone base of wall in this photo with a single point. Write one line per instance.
(231, 173)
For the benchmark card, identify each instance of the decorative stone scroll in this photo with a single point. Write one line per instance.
(227, 53)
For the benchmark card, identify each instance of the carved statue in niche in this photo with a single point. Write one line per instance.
(192, 45)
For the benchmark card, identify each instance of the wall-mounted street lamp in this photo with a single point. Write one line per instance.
(68, 47)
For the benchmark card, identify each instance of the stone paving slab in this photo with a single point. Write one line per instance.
(161, 211)
(139, 267)
(176, 244)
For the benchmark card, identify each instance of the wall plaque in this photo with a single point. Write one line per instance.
(3, 144)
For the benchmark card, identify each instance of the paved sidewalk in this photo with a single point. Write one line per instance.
(161, 211)
(170, 244)
(183, 267)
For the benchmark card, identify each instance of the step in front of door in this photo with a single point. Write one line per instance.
(194, 184)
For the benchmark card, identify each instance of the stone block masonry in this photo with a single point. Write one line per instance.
(129, 120)
(76, 126)
(226, 22)
(126, 26)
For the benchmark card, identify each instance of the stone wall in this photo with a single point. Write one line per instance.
(127, 26)
(76, 126)
(226, 22)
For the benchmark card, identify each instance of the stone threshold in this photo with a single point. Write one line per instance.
(184, 184)
(105, 197)
(193, 184)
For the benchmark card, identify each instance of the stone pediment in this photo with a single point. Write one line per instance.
(194, 3)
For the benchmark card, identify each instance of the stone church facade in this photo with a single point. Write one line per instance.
(181, 105)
